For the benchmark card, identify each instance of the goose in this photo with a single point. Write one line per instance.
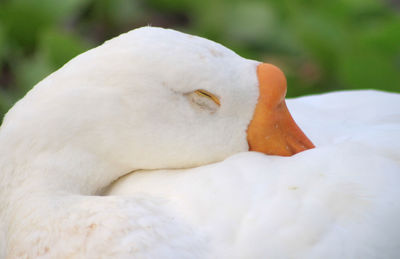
(168, 107)
(149, 99)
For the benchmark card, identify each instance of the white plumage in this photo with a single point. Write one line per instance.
(339, 200)
(124, 106)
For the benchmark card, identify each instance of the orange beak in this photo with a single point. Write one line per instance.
(272, 130)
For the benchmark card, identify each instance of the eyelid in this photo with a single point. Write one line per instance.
(209, 95)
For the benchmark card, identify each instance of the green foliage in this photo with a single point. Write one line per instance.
(321, 45)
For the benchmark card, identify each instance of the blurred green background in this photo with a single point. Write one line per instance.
(321, 45)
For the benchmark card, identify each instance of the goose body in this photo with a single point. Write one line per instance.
(339, 200)
(155, 99)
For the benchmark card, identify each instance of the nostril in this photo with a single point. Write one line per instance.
(281, 104)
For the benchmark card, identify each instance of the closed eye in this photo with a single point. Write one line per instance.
(204, 100)
(209, 95)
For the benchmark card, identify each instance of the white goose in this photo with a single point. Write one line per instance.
(159, 99)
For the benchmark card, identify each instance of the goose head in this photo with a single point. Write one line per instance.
(156, 98)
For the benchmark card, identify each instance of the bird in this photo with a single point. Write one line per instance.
(139, 148)
(151, 98)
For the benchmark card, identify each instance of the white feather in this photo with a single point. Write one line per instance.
(123, 106)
